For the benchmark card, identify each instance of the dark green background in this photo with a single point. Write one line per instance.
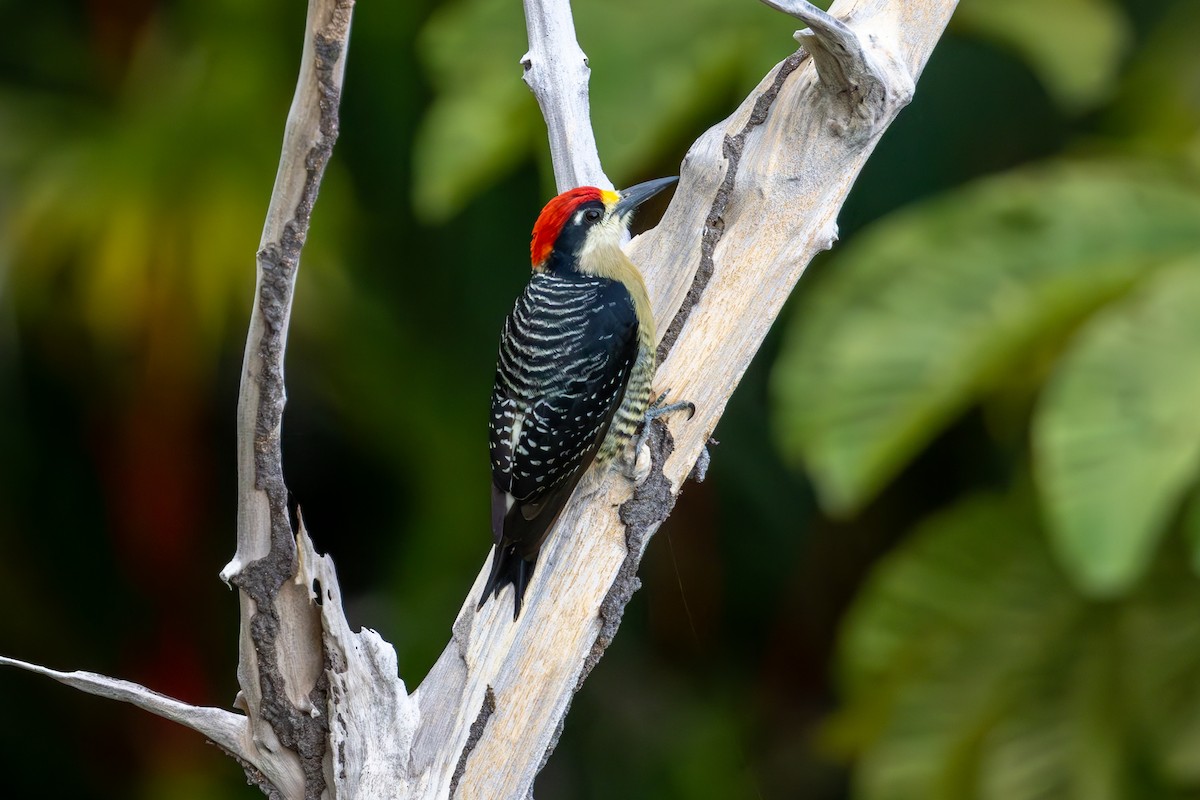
(949, 621)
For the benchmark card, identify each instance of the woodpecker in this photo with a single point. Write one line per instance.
(574, 371)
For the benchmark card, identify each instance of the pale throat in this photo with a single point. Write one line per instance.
(603, 257)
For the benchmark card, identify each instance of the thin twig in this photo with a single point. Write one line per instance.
(223, 727)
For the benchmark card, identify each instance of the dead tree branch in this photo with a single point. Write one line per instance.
(758, 198)
(557, 73)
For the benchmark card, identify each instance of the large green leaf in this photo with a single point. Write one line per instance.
(936, 306)
(972, 669)
(1074, 46)
(1117, 433)
(657, 68)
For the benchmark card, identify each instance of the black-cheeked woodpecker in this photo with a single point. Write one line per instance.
(573, 378)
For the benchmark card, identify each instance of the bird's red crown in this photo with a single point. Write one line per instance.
(556, 213)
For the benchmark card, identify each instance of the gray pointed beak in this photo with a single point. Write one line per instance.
(634, 196)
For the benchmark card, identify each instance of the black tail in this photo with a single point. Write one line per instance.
(508, 567)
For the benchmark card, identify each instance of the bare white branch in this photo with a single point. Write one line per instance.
(557, 71)
(372, 719)
(224, 728)
(860, 76)
(843, 63)
(327, 701)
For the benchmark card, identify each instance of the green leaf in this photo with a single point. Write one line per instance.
(955, 574)
(971, 668)
(1074, 46)
(105, 221)
(1117, 434)
(934, 307)
(940, 658)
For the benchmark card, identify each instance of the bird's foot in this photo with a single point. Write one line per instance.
(640, 462)
(658, 408)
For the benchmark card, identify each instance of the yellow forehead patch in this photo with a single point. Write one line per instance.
(609, 198)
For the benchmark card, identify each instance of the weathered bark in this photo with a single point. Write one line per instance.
(326, 715)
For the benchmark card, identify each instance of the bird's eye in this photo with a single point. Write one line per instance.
(591, 215)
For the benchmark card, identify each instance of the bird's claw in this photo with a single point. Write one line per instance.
(657, 408)
(640, 462)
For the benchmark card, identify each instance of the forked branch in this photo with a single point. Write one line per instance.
(758, 197)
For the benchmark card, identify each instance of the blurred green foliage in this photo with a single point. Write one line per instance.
(1005, 366)
(1074, 46)
(979, 671)
(1036, 637)
(1117, 436)
(938, 306)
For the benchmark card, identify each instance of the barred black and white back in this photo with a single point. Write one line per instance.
(567, 351)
